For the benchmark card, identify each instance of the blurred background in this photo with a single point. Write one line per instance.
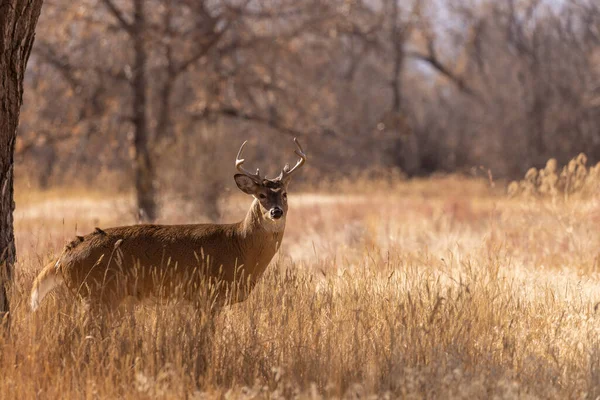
(154, 97)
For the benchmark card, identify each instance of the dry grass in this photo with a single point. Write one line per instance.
(439, 288)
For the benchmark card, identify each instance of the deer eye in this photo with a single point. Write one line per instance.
(262, 196)
(285, 196)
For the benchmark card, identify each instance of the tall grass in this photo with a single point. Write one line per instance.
(439, 288)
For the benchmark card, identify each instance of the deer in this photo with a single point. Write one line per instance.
(144, 261)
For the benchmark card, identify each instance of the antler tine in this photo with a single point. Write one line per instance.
(300, 153)
(239, 161)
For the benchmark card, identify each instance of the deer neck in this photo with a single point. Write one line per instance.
(255, 224)
(259, 239)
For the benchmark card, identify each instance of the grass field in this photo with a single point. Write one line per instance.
(437, 288)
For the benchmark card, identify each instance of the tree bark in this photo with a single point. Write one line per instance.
(397, 41)
(143, 167)
(406, 147)
(18, 19)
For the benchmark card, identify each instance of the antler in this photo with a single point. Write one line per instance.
(238, 165)
(286, 172)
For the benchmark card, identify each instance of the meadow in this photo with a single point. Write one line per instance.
(446, 287)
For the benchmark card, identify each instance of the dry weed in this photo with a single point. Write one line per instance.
(573, 179)
(440, 289)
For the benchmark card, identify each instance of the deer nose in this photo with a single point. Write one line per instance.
(276, 212)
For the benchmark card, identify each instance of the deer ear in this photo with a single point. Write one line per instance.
(246, 184)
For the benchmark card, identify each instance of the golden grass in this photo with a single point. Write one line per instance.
(575, 178)
(438, 288)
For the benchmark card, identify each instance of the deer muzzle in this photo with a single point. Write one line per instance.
(276, 212)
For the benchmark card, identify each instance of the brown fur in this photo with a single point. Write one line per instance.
(160, 260)
(164, 261)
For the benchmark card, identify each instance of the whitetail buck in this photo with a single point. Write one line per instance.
(106, 266)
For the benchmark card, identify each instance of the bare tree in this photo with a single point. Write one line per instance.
(222, 48)
(406, 151)
(18, 20)
(143, 167)
(420, 85)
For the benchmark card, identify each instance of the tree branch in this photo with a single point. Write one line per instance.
(25, 147)
(232, 112)
(118, 14)
(184, 65)
(47, 54)
(323, 132)
(432, 59)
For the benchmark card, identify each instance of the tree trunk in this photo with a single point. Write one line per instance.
(18, 19)
(143, 167)
(406, 149)
(397, 40)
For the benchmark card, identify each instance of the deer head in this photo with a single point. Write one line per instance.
(271, 194)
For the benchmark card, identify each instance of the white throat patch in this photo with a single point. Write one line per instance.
(274, 225)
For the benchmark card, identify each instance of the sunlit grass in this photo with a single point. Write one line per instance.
(441, 288)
